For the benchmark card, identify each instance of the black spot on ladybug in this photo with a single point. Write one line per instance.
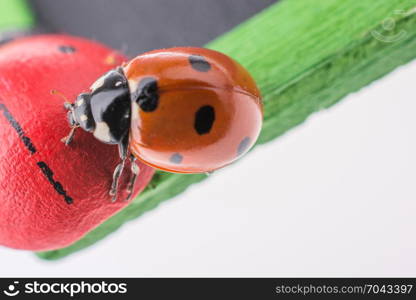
(242, 147)
(176, 158)
(66, 49)
(204, 119)
(199, 63)
(147, 94)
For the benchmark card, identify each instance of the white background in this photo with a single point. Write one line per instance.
(333, 197)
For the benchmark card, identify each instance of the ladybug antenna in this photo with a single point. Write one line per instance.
(60, 94)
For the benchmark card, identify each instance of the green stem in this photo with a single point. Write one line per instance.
(305, 55)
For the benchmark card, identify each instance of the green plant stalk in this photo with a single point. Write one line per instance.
(305, 55)
(15, 15)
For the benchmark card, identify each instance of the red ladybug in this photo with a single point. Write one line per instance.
(185, 110)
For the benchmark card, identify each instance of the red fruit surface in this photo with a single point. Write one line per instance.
(51, 195)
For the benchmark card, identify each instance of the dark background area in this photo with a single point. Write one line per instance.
(135, 26)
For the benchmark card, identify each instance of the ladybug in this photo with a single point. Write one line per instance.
(183, 110)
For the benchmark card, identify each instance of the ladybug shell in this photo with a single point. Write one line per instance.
(202, 110)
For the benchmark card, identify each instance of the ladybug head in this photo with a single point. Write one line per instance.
(80, 114)
(105, 110)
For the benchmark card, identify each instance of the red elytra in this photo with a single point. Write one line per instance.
(52, 195)
(208, 111)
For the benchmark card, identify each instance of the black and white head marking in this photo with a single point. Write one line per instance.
(105, 111)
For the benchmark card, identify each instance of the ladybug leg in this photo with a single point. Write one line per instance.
(123, 149)
(68, 105)
(68, 139)
(74, 125)
(135, 170)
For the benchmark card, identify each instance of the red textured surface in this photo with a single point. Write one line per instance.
(33, 215)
